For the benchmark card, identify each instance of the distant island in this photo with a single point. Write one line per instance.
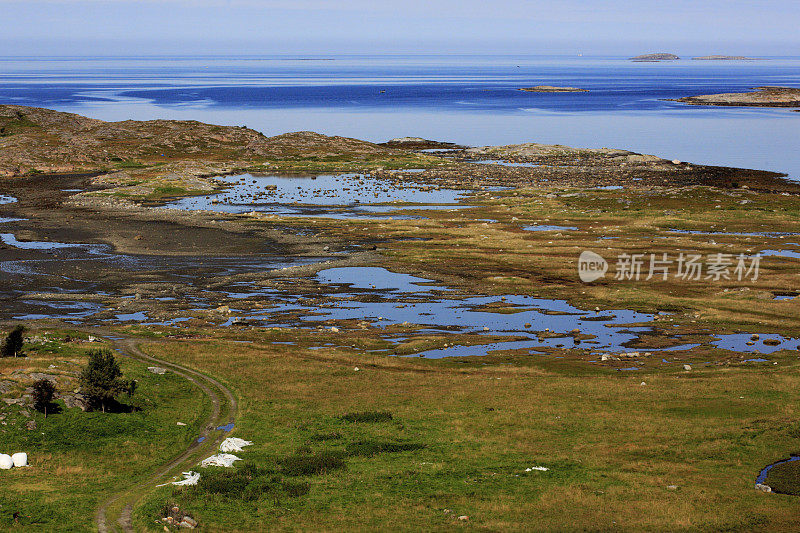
(761, 97)
(552, 89)
(660, 56)
(725, 58)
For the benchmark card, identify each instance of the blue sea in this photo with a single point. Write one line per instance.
(465, 99)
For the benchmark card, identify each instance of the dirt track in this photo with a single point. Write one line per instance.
(115, 513)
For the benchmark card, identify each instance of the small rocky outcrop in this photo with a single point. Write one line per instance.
(553, 89)
(659, 56)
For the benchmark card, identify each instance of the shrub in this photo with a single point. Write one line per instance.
(370, 448)
(13, 342)
(43, 391)
(101, 380)
(247, 483)
(368, 417)
(311, 464)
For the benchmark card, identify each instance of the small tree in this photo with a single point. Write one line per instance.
(101, 380)
(13, 342)
(43, 391)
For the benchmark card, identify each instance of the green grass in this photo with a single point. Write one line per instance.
(460, 440)
(785, 478)
(79, 458)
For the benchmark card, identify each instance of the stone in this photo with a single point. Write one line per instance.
(763, 488)
(463, 517)
(188, 522)
(73, 400)
(687, 367)
(157, 370)
(754, 337)
(672, 487)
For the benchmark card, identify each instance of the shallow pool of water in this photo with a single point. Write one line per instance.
(792, 254)
(504, 163)
(737, 342)
(544, 227)
(338, 196)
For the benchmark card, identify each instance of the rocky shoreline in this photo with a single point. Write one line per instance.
(760, 97)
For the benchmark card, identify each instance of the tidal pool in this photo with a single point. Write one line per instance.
(545, 227)
(339, 196)
(503, 163)
(791, 254)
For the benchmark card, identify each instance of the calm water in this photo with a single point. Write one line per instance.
(471, 100)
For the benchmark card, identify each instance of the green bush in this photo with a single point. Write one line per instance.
(101, 380)
(370, 448)
(311, 464)
(43, 392)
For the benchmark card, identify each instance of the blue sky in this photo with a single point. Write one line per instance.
(124, 27)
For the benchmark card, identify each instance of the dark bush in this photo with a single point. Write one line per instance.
(43, 392)
(311, 464)
(101, 380)
(370, 448)
(368, 416)
(13, 342)
(248, 483)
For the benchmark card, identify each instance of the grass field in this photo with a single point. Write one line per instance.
(461, 437)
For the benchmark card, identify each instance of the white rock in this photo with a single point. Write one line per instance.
(539, 468)
(5, 461)
(763, 488)
(687, 367)
(233, 444)
(20, 459)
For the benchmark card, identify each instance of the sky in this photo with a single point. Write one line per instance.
(322, 27)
